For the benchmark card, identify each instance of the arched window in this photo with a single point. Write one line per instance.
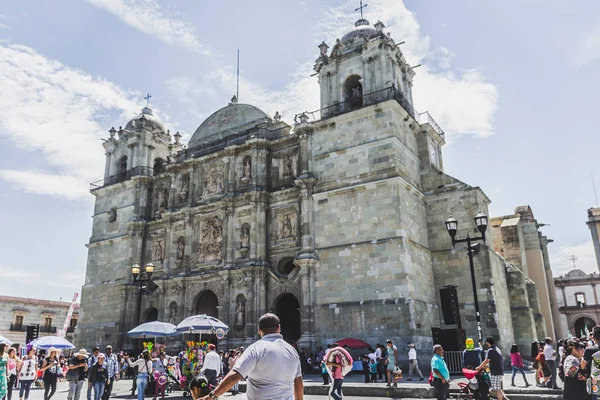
(159, 166)
(122, 169)
(353, 92)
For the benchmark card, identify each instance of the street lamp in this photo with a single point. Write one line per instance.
(138, 276)
(481, 221)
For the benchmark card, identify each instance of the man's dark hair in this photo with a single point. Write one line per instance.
(490, 340)
(95, 349)
(268, 323)
(597, 332)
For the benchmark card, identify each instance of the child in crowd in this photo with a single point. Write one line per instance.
(324, 373)
(373, 370)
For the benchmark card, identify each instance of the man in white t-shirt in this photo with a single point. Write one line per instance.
(378, 360)
(550, 355)
(413, 364)
(271, 365)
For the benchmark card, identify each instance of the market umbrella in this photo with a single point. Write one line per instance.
(5, 340)
(154, 328)
(353, 343)
(202, 324)
(57, 342)
(344, 358)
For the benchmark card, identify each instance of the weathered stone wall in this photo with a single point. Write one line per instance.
(523, 320)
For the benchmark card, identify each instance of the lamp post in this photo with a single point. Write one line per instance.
(473, 244)
(138, 277)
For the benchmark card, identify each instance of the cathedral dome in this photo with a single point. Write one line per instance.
(228, 121)
(148, 120)
(362, 28)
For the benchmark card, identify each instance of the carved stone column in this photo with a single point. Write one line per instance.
(306, 183)
(107, 167)
(229, 233)
(129, 157)
(307, 263)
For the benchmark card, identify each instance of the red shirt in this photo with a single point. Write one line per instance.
(516, 360)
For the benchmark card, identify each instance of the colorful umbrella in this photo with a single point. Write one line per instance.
(154, 328)
(5, 340)
(57, 342)
(338, 355)
(353, 343)
(202, 324)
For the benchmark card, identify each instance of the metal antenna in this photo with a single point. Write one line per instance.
(237, 91)
(594, 186)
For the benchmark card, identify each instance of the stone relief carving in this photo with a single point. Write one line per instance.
(185, 188)
(245, 240)
(158, 250)
(180, 249)
(240, 312)
(176, 289)
(173, 313)
(287, 225)
(213, 182)
(162, 202)
(211, 240)
(287, 167)
(180, 225)
(246, 170)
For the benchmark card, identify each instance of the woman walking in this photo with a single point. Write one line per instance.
(98, 376)
(13, 361)
(28, 370)
(517, 364)
(392, 362)
(50, 367)
(3, 371)
(144, 364)
(575, 377)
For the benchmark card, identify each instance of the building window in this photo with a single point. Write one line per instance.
(18, 323)
(48, 322)
(580, 299)
(72, 325)
(113, 215)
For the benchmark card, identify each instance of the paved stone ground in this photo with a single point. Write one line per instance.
(122, 388)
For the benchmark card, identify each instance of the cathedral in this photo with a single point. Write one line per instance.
(335, 221)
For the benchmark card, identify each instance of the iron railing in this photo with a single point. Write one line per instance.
(18, 327)
(367, 99)
(121, 177)
(426, 118)
(47, 329)
(454, 361)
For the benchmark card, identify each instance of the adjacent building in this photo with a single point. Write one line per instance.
(335, 223)
(16, 313)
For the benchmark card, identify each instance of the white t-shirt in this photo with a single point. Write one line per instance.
(212, 361)
(549, 352)
(271, 366)
(377, 354)
(412, 354)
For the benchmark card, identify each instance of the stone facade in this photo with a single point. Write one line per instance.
(518, 239)
(16, 313)
(337, 224)
(577, 294)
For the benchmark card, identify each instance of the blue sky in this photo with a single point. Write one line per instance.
(512, 83)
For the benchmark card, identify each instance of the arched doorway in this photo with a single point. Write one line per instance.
(122, 169)
(159, 166)
(207, 304)
(288, 311)
(581, 324)
(151, 315)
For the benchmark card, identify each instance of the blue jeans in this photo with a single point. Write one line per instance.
(337, 387)
(75, 390)
(25, 386)
(142, 382)
(98, 390)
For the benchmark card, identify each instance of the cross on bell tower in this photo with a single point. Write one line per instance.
(361, 9)
(147, 98)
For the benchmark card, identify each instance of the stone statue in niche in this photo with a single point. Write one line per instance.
(213, 183)
(158, 250)
(211, 240)
(163, 200)
(173, 313)
(240, 312)
(246, 170)
(287, 226)
(180, 249)
(245, 236)
(287, 170)
(185, 188)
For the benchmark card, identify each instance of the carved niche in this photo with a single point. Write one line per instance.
(211, 240)
(185, 188)
(287, 224)
(162, 202)
(246, 170)
(240, 311)
(213, 182)
(180, 249)
(173, 313)
(287, 166)
(245, 239)
(158, 250)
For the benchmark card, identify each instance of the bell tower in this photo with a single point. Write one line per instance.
(364, 67)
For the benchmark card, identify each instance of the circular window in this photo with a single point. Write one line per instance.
(286, 266)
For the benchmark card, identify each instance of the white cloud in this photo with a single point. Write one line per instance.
(62, 113)
(27, 276)
(586, 50)
(560, 258)
(147, 16)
